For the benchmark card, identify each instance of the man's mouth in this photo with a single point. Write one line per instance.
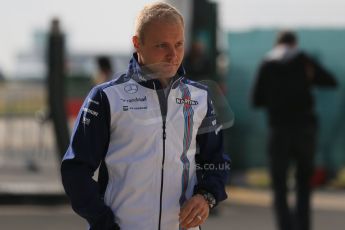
(170, 64)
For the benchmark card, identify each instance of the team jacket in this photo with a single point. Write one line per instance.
(153, 152)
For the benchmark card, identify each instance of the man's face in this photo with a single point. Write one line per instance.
(162, 48)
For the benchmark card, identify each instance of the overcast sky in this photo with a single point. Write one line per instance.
(107, 25)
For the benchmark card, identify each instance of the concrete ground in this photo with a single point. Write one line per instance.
(233, 215)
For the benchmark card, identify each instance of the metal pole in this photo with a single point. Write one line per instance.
(56, 89)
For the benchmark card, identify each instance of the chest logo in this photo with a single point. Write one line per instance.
(131, 88)
(186, 101)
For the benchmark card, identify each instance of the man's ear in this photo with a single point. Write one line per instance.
(136, 43)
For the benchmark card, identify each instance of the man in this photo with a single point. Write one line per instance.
(155, 136)
(283, 86)
(197, 62)
(104, 70)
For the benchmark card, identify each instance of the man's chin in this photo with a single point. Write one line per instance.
(167, 75)
(163, 70)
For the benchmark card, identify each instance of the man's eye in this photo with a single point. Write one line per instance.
(161, 46)
(179, 45)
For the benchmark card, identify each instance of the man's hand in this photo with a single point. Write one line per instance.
(194, 212)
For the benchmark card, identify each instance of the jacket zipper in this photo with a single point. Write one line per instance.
(163, 105)
(162, 177)
(163, 102)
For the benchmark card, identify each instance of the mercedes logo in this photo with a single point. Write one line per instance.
(132, 88)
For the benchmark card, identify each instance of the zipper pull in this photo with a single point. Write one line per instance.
(164, 133)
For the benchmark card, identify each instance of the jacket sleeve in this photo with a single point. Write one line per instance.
(88, 146)
(213, 164)
(259, 89)
(319, 75)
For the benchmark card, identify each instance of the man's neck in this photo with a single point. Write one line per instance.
(165, 82)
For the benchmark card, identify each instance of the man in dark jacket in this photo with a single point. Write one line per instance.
(283, 86)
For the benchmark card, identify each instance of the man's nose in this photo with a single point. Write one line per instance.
(172, 53)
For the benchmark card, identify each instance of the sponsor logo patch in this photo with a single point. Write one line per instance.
(131, 88)
(138, 108)
(94, 113)
(86, 121)
(92, 101)
(131, 100)
(186, 101)
(126, 108)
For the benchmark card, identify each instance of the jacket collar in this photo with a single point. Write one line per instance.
(137, 73)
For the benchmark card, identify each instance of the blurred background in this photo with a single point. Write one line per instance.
(53, 52)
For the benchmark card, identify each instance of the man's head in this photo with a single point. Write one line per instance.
(159, 39)
(286, 38)
(104, 64)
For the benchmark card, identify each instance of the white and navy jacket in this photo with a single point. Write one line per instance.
(152, 150)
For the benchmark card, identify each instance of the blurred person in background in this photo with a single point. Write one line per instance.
(197, 63)
(104, 70)
(283, 87)
(154, 136)
(2, 78)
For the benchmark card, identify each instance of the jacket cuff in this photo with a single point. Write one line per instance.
(105, 222)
